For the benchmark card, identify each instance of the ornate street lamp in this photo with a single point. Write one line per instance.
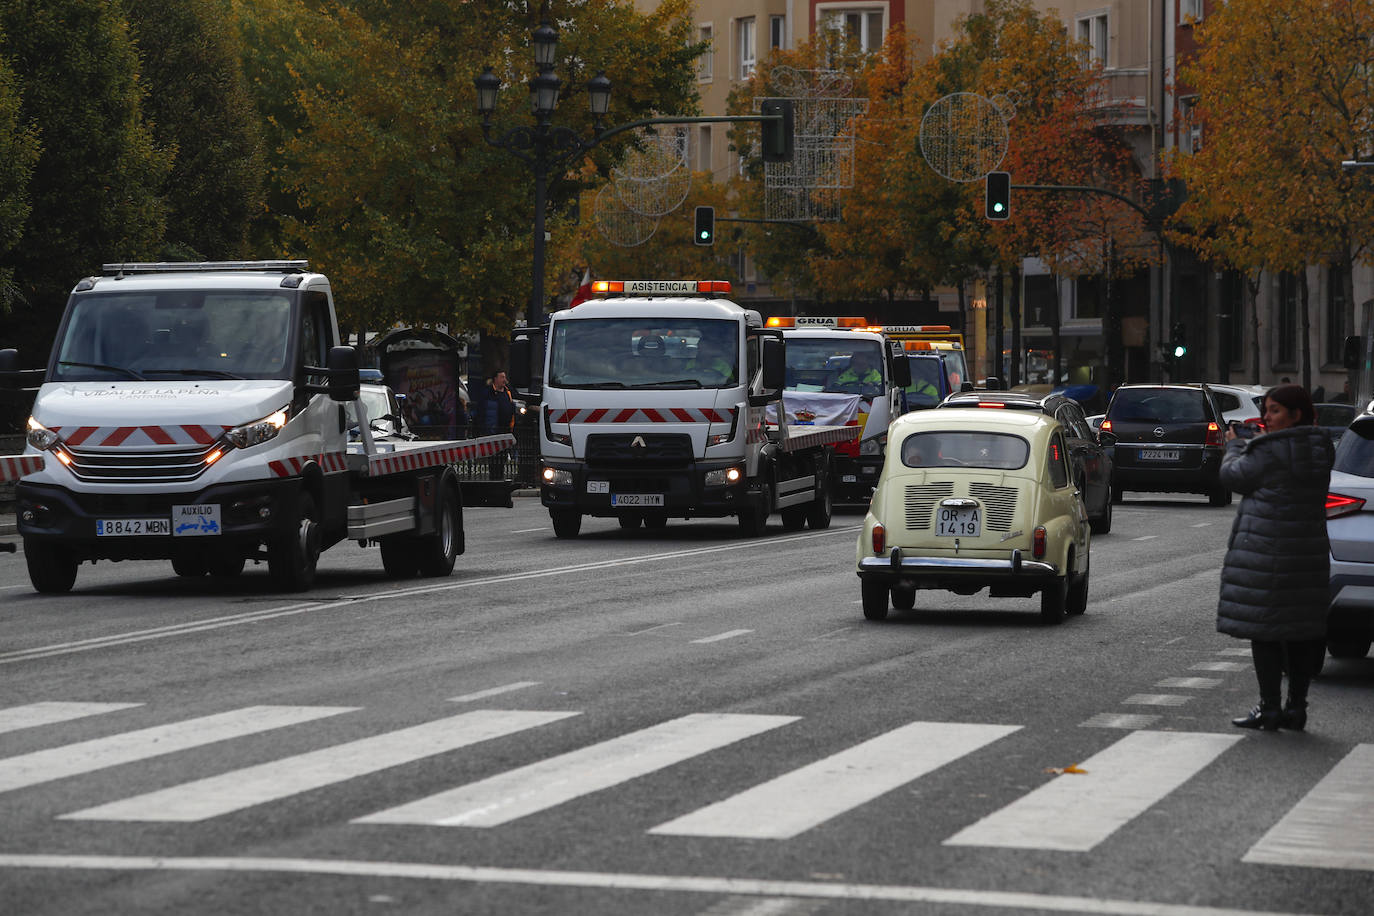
(544, 148)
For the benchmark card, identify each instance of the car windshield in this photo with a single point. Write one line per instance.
(374, 399)
(1155, 405)
(1355, 451)
(959, 448)
(924, 390)
(836, 365)
(644, 352)
(175, 334)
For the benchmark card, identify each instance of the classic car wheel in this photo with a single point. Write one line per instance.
(1348, 646)
(1077, 601)
(875, 599)
(1053, 601)
(1103, 523)
(903, 599)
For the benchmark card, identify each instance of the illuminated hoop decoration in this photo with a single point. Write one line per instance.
(619, 224)
(654, 179)
(964, 135)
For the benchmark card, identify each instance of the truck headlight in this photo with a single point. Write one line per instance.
(259, 431)
(723, 476)
(556, 477)
(874, 446)
(40, 437)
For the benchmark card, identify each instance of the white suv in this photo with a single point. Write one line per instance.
(1350, 528)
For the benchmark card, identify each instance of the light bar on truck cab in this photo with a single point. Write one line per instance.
(916, 329)
(609, 288)
(813, 321)
(162, 267)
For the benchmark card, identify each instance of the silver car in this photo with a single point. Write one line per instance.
(1350, 527)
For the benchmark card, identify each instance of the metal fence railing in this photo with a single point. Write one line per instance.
(517, 466)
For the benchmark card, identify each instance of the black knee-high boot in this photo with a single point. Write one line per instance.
(1268, 658)
(1302, 659)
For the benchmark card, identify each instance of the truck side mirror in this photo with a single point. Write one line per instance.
(1350, 356)
(342, 369)
(519, 370)
(526, 368)
(774, 363)
(901, 366)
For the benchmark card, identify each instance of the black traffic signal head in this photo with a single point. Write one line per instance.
(777, 133)
(1178, 339)
(704, 231)
(997, 195)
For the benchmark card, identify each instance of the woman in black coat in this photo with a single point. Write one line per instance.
(1274, 583)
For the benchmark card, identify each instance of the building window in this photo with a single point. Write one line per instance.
(1190, 125)
(1335, 314)
(1189, 11)
(777, 32)
(1092, 31)
(1087, 299)
(1286, 322)
(704, 148)
(707, 59)
(744, 29)
(861, 27)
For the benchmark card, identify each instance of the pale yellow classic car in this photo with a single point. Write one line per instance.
(971, 499)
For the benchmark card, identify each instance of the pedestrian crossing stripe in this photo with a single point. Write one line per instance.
(560, 779)
(1331, 827)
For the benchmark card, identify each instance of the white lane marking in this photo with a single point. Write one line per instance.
(530, 530)
(797, 801)
(651, 629)
(1119, 720)
(1332, 826)
(244, 788)
(213, 623)
(689, 884)
(34, 714)
(492, 692)
(1199, 683)
(6, 588)
(1155, 699)
(1237, 651)
(833, 632)
(728, 634)
(98, 753)
(1218, 666)
(1147, 537)
(1076, 811)
(526, 790)
(1201, 525)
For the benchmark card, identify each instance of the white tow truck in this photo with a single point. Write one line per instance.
(655, 398)
(841, 371)
(194, 412)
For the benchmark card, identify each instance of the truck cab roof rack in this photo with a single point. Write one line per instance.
(155, 267)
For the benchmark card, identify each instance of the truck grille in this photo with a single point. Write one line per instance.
(626, 451)
(140, 466)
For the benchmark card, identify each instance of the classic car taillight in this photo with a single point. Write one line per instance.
(1213, 433)
(879, 540)
(1338, 505)
(1038, 543)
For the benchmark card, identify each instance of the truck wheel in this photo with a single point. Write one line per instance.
(52, 570)
(819, 510)
(794, 517)
(225, 566)
(398, 557)
(656, 521)
(291, 558)
(630, 520)
(566, 522)
(753, 519)
(1340, 645)
(191, 566)
(438, 551)
(875, 598)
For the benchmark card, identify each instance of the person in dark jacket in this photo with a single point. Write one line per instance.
(493, 412)
(1274, 588)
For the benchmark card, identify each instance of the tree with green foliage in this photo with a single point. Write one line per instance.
(96, 185)
(199, 107)
(18, 153)
(380, 173)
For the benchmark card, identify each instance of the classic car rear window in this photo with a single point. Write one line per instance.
(954, 448)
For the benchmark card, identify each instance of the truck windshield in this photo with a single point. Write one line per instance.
(836, 365)
(175, 334)
(642, 352)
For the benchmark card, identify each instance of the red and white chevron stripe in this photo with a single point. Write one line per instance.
(441, 453)
(111, 436)
(12, 467)
(329, 462)
(642, 415)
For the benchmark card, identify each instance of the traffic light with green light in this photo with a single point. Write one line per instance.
(705, 231)
(1178, 340)
(997, 195)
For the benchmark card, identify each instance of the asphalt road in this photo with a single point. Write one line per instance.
(677, 722)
